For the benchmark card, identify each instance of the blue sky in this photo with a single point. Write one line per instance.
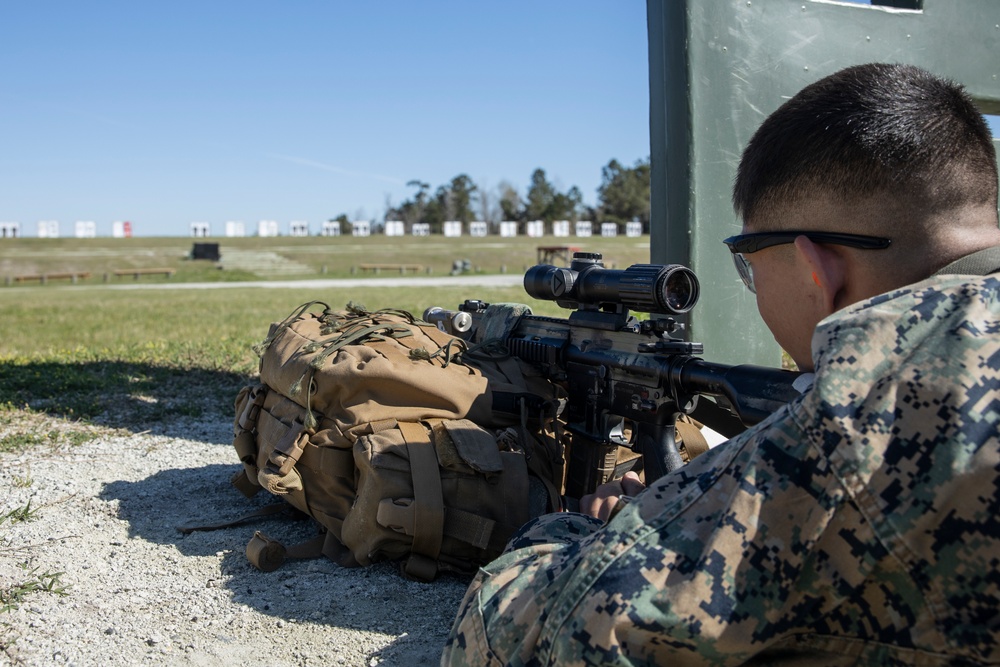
(168, 113)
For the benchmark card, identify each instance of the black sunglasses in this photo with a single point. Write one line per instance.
(745, 244)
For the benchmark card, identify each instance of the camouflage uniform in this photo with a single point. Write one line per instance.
(859, 525)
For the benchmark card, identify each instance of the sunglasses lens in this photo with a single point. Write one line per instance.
(743, 268)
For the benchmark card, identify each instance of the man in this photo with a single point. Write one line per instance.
(861, 523)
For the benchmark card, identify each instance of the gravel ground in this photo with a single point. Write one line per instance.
(105, 515)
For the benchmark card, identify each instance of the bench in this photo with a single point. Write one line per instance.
(135, 273)
(547, 253)
(377, 268)
(43, 278)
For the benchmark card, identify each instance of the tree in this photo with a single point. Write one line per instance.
(566, 206)
(489, 204)
(452, 201)
(624, 192)
(510, 202)
(438, 208)
(545, 202)
(540, 197)
(412, 211)
(461, 199)
(461, 190)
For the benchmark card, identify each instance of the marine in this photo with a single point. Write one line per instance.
(858, 525)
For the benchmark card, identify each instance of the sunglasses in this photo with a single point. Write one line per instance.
(744, 244)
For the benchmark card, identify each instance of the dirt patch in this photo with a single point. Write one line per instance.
(103, 522)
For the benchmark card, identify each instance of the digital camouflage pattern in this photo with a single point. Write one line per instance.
(859, 525)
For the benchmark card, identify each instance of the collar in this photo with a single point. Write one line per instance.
(981, 263)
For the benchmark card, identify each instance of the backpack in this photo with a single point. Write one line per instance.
(401, 442)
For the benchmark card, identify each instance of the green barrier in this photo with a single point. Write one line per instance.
(717, 69)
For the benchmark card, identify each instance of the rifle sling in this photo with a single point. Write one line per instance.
(692, 438)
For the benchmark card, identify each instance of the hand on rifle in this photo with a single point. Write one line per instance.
(611, 497)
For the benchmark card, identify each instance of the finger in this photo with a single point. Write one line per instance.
(598, 506)
(631, 485)
(607, 508)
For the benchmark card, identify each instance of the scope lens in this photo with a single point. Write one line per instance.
(681, 290)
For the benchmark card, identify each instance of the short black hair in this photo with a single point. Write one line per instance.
(872, 129)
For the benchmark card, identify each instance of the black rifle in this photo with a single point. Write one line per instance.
(628, 380)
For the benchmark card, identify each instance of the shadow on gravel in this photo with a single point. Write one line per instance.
(139, 397)
(373, 599)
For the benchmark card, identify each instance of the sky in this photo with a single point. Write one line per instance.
(164, 114)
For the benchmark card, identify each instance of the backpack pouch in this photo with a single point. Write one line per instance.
(421, 498)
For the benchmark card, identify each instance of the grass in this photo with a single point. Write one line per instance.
(12, 595)
(311, 257)
(18, 514)
(135, 358)
(78, 360)
(23, 429)
(131, 358)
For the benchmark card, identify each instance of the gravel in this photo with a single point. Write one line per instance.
(105, 515)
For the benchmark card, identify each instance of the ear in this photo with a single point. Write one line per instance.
(829, 271)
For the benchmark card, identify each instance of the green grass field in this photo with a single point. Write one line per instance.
(76, 359)
(132, 359)
(289, 257)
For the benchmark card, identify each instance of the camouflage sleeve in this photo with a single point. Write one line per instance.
(859, 525)
(553, 529)
(685, 573)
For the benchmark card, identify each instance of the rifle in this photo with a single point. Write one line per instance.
(627, 380)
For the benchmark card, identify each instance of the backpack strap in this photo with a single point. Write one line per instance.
(468, 527)
(276, 331)
(428, 500)
(266, 511)
(268, 554)
(245, 442)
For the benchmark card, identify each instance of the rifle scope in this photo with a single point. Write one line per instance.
(666, 289)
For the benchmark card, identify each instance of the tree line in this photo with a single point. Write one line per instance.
(623, 196)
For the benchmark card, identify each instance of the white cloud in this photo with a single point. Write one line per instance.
(337, 170)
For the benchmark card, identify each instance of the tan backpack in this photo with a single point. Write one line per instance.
(397, 440)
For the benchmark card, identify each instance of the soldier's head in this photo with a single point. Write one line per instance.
(892, 155)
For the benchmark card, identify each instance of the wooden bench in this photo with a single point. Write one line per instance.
(135, 273)
(46, 277)
(377, 268)
(547, 253)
